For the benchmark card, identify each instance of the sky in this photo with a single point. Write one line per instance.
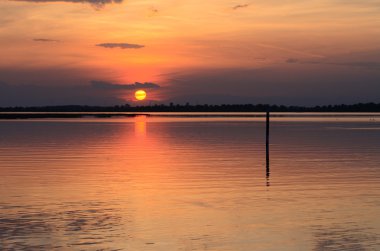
(99, 52)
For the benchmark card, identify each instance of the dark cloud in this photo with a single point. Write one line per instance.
(95, 3)
(347, 79)
(135, 86)
(42, 95)
(121, 45)
(240, 6)
(98, 93)
(64, 86)
(45, 40)
(53, 75)
(305, 84)
(367, 65)
(53, 85)
(292, 60)
(369, 60)
(371, 65)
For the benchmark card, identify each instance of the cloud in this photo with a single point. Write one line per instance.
(96, 3)
(135, 86)
(62, 85)
(290, 50)
(298, 85)
(41, 95)
(45, 40)
(362, 64)
(369, 60)
(240, 6)
(371, 65)
(292, 60)
(121, 45)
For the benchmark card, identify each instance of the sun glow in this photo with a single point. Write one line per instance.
(140, 95)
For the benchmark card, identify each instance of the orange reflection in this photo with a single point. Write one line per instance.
(140, 126)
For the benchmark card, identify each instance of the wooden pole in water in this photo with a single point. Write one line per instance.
(267, 143)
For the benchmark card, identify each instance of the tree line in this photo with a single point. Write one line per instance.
(360, 107)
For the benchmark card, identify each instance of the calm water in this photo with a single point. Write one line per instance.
(186, 183)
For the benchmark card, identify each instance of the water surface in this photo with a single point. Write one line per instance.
(190, 183)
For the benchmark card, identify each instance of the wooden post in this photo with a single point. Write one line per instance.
(267, 143)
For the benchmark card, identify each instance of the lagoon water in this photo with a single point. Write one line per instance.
(190, 183)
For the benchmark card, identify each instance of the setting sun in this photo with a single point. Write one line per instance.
(140, 95)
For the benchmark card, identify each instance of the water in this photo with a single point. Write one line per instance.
(190, 183)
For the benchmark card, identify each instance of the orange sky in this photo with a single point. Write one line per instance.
(53, 43)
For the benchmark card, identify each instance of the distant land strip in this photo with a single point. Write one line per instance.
(360, 107)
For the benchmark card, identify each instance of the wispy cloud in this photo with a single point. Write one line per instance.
(240, 6)
(293, 51)
(372, 65)
(112, 86)
(121, 45)
(292, 60)
(95, 3)
(361, 64)
(45, 40)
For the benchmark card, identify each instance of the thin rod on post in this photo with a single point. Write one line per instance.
(267, 143)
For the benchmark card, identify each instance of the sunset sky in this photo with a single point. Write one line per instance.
(99, 52)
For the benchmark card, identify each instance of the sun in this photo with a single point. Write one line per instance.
(140, 94)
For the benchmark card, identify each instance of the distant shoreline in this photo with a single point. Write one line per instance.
(64, 115)
(172, 108)
(248, 110)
